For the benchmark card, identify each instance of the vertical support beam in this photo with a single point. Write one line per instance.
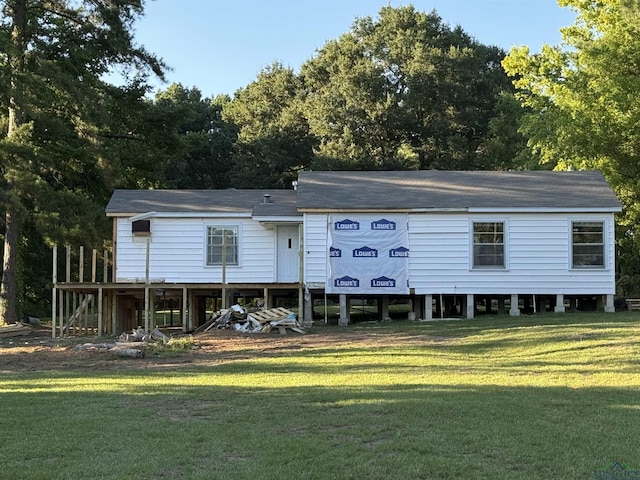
(94, 264)
(308, 307)
(471, 306)
(224, 268)
(416, 306)
(60, 311)
(54, 293)
(81, 265)
(114, 311)
(384, 304)
(559, 308)
(105, 265)
(514, 311)
(146, 288)
(191, 311)
(428, 307)
(301, 311)
(343, 320)
(501, 310)
(99, 311)
(609, 307)
(265, 294)
(66, 312)
(184, 309)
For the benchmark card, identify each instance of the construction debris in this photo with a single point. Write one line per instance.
(128, 344)
(259, 321)
(14, 330)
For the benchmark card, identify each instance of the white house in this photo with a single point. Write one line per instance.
(448, 241)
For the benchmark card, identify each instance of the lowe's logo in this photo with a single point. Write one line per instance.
(383, 224)
(346, 281)
(347, 224)
(365, 252)
(335, 252)
(400, 252)
(383, 282)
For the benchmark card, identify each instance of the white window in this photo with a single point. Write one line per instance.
(488, 245)
(222, 245)
(587, 242)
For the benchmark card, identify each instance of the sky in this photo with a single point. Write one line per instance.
(220, 46)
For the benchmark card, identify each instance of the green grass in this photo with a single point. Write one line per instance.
(547, 396)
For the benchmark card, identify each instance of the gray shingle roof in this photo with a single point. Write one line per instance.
(124, 202)
(434, 189)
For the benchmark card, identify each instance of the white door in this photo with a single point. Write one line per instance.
(288, 254)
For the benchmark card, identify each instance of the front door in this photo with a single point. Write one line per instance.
(288, 254)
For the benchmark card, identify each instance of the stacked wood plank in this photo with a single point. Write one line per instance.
(259, 321)
(15, 330)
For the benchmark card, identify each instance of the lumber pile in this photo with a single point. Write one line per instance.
(15, 330)
(258, 321)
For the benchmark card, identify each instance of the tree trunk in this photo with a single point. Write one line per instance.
(8, 290)
(8, 310)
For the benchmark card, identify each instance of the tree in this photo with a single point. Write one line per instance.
(584, 109)
(53, 160)
(274, 141)
(403, 91)
(201, 141)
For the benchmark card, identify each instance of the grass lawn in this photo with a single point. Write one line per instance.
(546, 396)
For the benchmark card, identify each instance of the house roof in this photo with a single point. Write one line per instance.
(385, 190)
(230, 201)
(451, 190)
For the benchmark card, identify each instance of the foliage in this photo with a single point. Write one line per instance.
(56, 165)
(404, 91)
(582, 101)
(274, 141)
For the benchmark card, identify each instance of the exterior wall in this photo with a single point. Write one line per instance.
(315, 249)
(177, 252)
(537, 255)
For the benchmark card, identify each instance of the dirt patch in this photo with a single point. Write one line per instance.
(39, 352)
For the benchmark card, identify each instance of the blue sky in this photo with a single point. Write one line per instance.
(220, 46)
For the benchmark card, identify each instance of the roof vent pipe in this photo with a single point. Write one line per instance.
(267, 198)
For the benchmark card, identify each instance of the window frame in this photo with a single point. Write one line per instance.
(208, 245)
(602, 244)
(473, 244)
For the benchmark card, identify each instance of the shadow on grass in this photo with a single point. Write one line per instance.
(404, 430)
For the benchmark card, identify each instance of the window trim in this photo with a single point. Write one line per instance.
(505, 245)
(238, 232)
(605, 228)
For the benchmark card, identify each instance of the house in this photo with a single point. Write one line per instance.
(448, 242)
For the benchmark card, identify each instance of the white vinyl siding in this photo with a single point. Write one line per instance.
(315, 249)
(178, 252)
(538, 256)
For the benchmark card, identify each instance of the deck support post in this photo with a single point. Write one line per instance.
(343, 320)
(609, 307)
(184, 309)
(308, 307)
(428, 307)
(416, 307)
(501, 310)
(100, 312)
(384, 307)
(514, 311)
(471, 306)
(559, 308)
(54, 292)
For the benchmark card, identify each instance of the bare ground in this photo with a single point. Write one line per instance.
(39, 352)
